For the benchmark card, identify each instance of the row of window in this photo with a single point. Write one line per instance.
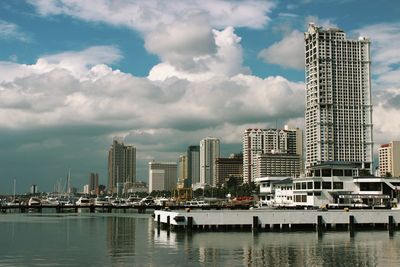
(317, 185)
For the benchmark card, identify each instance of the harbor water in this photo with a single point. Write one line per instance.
(132, 239)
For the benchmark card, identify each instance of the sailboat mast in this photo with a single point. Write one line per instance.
(14, 188)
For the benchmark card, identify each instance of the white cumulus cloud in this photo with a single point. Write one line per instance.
(146, 16)
(288, 52)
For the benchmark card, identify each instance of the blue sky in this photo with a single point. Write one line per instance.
(163, 75)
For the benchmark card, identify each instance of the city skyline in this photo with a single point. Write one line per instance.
(164, 75)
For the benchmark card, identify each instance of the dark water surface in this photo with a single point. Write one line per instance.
(132, 240)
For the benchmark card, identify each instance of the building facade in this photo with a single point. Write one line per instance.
(338, 116)
(262, 141)
(193, 166)
(278, 164)
(121, 166)
(226, 168)
(162, 176)
(389, 159)
(209, 151)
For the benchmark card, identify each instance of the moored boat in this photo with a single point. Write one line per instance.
(83, 202)
(34, 202)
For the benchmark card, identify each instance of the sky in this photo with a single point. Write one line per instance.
(163, 75)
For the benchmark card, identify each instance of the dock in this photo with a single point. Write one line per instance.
(277, 220)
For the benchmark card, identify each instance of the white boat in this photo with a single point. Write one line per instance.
(161, 201)
(65, 201)
(50, 201)
(149, 200)
(119, 202)
(83, 202)
(101, 201)
(133, 200)
(197, 203)
(34, 202)
(13, 203)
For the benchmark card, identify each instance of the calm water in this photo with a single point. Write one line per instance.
(132, 240)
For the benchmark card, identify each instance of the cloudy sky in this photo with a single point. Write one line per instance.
(163, 75)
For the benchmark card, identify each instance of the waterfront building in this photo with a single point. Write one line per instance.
(193, 166)
(262, 141)
(277, 164)
(182, 171)
(267, 188)
(94, 183)
(209, 151)
(226, 168)
(339, 184)
(121, 166)
(162, 176)
(338, 116)
(389, 159)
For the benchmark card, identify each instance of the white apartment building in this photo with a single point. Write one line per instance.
(162, 176)
(209, 152)
(338, 116)
(277, 164)
(389, 159)
(263, 141)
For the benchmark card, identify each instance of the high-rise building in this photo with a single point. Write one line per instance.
(193, 165)
(182, 171)
(226, 168)
(338, 116)
(209, 151)
(121, 166)
(389, 159)
(94, 183)
(34, 189)
(262, 141)
(86, 189)
(162, 176)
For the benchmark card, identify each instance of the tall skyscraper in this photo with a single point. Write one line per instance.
(121, 166)
(209, 151)
(263, 141)
(389, 159)
(94, 183)
(338, 116)
(162, 176)
(193, 165)
(182, 171)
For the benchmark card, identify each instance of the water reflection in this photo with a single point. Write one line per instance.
(120, 236)
(285, 249)
(133, 240)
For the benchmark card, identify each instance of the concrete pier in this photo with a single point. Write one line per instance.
(281, 220)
